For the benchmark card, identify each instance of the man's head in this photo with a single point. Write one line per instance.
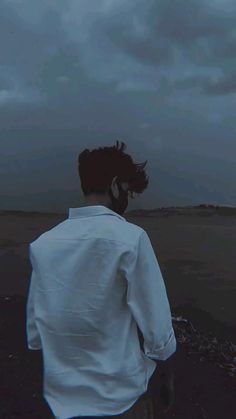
(116, 198)
(108, 175)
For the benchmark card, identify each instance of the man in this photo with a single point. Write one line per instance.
(95, 278)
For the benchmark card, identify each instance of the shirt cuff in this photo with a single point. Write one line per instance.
(165, 351)
(34, 348)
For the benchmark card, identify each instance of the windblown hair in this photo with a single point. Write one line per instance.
(98, 167)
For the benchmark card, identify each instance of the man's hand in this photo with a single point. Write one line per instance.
(167, 393)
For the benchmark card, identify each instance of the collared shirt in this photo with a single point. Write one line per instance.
(95, 277)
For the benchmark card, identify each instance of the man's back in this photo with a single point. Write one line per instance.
(94, 279)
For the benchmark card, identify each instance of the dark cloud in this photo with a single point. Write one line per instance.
(158, 75)
(184, 22)
(223, 86)
(24, 47)
(130, 45)
(198, 33)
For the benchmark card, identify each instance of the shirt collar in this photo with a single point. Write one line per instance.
(91, 211)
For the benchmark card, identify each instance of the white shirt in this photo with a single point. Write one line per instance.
(95, 277)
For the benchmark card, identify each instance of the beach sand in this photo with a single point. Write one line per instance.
(195, 250)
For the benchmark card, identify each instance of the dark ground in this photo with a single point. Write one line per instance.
(196, 252)
(202, 388)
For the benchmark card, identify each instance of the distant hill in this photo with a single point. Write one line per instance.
(202, 209)
(191, 209)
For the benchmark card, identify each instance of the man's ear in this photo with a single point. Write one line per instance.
(114, 187)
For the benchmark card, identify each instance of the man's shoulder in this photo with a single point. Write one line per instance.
(49, 233)
(134, 228)
(129, 233)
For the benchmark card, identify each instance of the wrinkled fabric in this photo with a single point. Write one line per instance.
(145, 407)
(95, 278)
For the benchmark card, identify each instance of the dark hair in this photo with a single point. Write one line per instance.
(98, 167)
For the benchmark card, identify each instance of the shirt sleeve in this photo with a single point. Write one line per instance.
(33, 336)
(148, 301)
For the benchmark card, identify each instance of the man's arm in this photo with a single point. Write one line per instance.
(148, 302)
(165, 369)
(33, 337)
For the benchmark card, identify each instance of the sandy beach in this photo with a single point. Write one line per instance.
(196, 252)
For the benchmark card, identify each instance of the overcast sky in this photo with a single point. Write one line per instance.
(159, 75)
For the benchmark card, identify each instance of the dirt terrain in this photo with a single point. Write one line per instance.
(196, 252)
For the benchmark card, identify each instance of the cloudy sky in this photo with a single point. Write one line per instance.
(159, 75)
